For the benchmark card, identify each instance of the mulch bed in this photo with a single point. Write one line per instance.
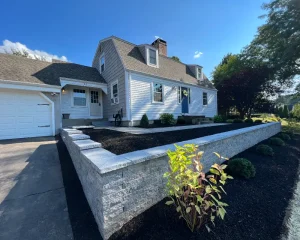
(256, 206)
(119, 143)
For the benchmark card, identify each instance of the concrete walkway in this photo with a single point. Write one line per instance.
(32, 196)
(138, 130)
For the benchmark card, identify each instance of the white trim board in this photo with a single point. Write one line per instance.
(9, 84)
(83, 83)
(53, 112)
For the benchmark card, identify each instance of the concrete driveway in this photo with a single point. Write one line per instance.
(32, 196)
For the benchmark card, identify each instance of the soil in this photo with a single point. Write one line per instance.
(119, 143)
(256, 206)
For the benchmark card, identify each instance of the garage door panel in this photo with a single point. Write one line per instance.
(22, 112)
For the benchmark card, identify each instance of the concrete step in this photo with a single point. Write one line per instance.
(102, 124)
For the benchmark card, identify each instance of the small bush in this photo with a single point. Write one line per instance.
(249, 120)
(195, 195)
(238, 120)
(258, 121)
(229, 121)
(241, 167)
(276, 141)
(284, 136)
(265, 150)
(180, 121)
(167, 119)
(218, 119)
(144, 121)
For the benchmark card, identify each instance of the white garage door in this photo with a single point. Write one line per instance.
(24, 114)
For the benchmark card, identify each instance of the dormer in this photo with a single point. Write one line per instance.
(199, 73)
(150, 54)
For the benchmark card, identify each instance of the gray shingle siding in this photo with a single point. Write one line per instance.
(113, 71)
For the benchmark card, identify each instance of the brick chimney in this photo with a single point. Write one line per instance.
(161, 45)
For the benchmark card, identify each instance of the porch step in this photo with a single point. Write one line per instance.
(101, 124)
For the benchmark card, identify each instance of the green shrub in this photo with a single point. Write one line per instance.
(265, 150)
(276, 141)
(195, 195)
(238, 120)
(229, 120)
(258, 121)
(167, 119)
(241, 167)
(144, 121)
(284, 136)
(248, 120)
(218, 119)
(180, 120)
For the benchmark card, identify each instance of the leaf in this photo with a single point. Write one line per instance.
(222, 189)
(188, 209)
(169, 202)
(214, 171)
(222, 213)
(213, 180)
(199, 199)
(223, 166)
(207, 227)
(178, 209)
(208, 189)
(218, 155)
(198, 209)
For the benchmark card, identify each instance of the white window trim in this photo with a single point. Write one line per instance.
(86, 98)
(148, 57)
(101, 56)
(111, 92)
(189, 96)
(201, 76)
(206, 98)
(152, 93)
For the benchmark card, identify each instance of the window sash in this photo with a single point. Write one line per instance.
(152, 56)
(204, 98)
(114, 93)
(79, 97)
(102, 63)
(199, 73)
(157, 92)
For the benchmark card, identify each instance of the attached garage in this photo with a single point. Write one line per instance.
(25, 114)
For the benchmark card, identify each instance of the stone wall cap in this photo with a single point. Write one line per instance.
(86, 144)
(79, 136)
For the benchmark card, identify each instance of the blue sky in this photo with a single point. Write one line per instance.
(73, 28)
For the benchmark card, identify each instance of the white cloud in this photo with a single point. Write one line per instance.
(197, 54)
(9, 47)
(156, 37)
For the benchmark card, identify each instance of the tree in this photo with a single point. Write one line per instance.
(176, 59)
(296, 110)
(285, 111)
(278, 40)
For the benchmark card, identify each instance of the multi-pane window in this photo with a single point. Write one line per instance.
(114, 93)
(94, 97)
(79, 97)
(102, 64)
(199, 73)
(157, 92)
(204, 98)
(152, 56)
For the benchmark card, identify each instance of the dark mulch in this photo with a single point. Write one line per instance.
(256, 206)
(83, 224)
(119, 143)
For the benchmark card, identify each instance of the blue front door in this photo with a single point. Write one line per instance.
(184, 101)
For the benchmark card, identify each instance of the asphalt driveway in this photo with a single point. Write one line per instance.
(32, 195)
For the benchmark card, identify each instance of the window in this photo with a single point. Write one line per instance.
(94, 97)
(180, 93)
(199, 76)
(114, 93)
(102, 64)
(79, 98)
(152, 56)
(204, 98)
(157, 92)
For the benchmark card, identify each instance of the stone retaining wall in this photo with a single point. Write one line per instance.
(121, 187)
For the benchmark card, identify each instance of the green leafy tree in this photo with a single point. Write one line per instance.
(296, 110)
(278, 40)
(285, 111)
(176, 59)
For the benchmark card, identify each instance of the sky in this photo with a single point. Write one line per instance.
(197, 31)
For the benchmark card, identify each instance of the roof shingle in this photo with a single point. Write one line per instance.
(17, 68)
(168, 68)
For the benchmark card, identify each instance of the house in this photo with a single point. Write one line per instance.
(139, 79)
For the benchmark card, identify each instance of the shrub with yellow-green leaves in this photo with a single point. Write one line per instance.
(195, 195)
